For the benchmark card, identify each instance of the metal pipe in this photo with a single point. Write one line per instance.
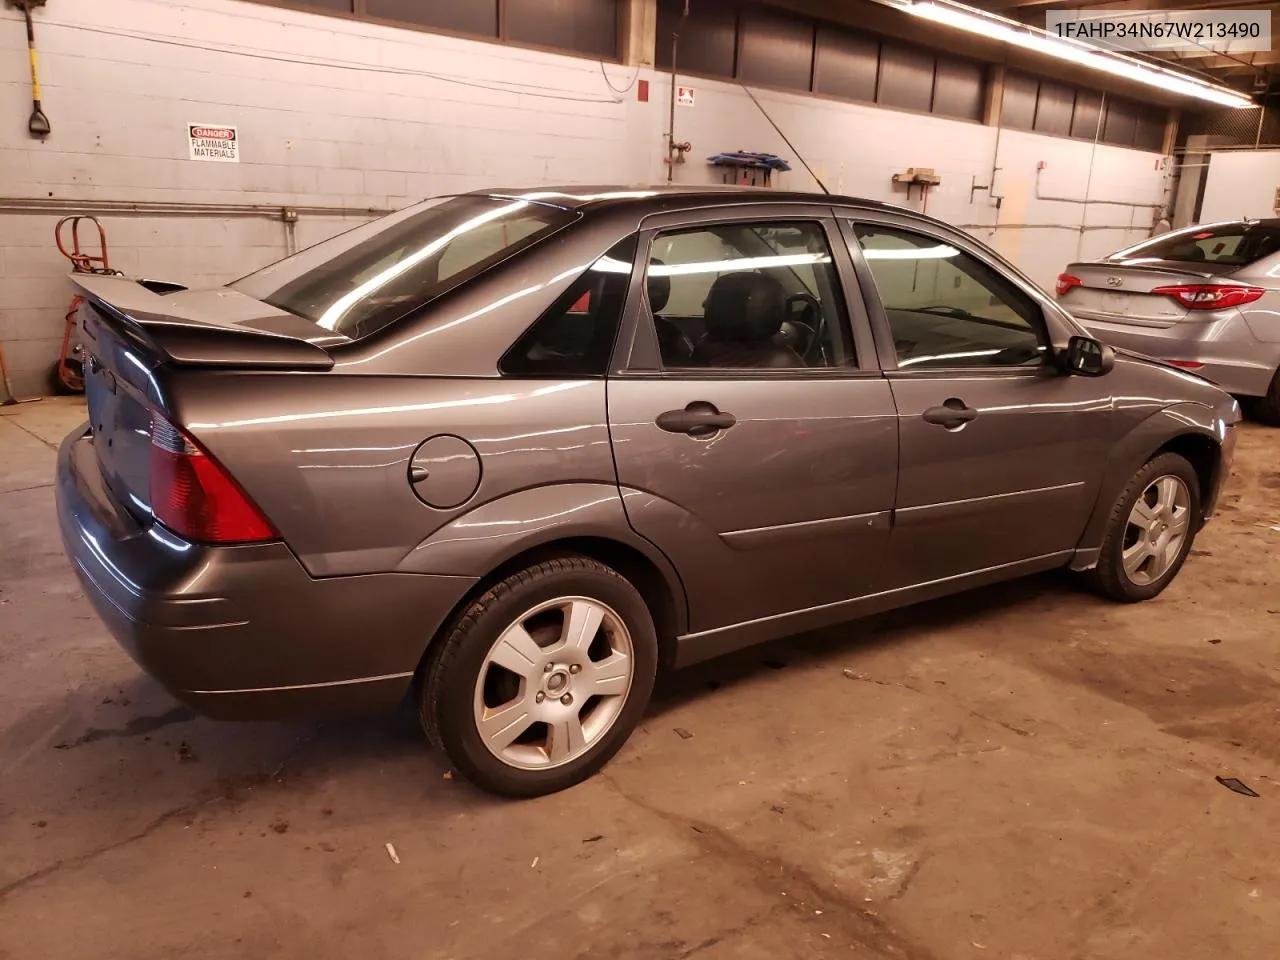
(671, 121)
(145, 208)
(1262, 114)
(1102, 203)
(1088, 180)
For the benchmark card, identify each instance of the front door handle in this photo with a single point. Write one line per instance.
(952, 414)
(698, 419)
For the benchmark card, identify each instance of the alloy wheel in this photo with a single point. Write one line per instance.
(1157, 529)
(553, 683)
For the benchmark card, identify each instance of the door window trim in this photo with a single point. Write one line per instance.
(637, 353)
(881, 327)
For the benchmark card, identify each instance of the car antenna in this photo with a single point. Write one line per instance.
(805, 163)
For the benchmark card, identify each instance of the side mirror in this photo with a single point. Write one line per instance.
(1087, 357)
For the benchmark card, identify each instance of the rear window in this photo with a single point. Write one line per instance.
(1227, 244)
(362, 280)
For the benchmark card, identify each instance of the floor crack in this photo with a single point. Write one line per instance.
(863, 926)
(81, 859)
(30, 433)
(38, 486)
(862, 677)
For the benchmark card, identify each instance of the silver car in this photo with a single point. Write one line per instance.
(1206, 299)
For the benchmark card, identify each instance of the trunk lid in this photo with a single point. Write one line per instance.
(1120, 291)
(129, 332)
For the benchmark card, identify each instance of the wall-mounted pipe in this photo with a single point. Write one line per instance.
(1097, 203)
(675, 151)
(145, 208)
(288, 216)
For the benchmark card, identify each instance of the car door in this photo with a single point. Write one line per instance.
(1000, 453)
(754, 435)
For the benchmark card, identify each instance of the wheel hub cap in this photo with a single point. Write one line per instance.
(557, 682)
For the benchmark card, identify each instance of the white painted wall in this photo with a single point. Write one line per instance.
(336, 113)
(1241, 184)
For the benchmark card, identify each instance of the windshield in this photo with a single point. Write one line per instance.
(1229, 244)
(364, 279)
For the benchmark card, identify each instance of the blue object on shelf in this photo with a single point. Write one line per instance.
(752, 161)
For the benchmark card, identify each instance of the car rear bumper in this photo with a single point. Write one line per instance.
(1226, 349)
(244, 632)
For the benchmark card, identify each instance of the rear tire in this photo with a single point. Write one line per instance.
(1266, 409)
(1150, 531)
(542, 678)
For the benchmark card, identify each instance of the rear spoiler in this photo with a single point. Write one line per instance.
(158, 325)
(1173, 267)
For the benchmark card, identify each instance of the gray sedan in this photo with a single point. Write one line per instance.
(511, 453)
(1205, 299)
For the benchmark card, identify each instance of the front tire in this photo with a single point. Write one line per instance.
(1266, 409)
(1150, 532)
(542, 678)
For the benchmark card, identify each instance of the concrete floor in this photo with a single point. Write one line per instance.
(1021, 773)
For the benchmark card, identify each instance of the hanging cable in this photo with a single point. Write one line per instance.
(816, 179)
(625, 90)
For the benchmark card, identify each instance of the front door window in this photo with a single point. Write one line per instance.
(946, 308)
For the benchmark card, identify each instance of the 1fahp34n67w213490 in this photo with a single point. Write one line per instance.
(513, 452)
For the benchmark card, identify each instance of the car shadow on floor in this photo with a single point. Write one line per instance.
(137, 726)
(833, 645)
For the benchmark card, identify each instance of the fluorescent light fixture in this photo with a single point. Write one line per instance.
(1073, 51)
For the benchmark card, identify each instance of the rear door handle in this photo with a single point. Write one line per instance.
(952, 414)
(698, 419)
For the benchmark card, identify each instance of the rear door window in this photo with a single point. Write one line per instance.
(1228, 244)
(748, 295)
(575, 336)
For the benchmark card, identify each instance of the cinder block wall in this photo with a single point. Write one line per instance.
(337, 114)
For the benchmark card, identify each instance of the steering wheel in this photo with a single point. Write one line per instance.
(815, 346)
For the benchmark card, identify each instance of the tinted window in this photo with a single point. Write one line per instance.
(575, 336)
(1230, 244)
(366, 278)
(747, 295)
(945, 307)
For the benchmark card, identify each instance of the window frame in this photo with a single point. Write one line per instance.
(637, 355)
(1053, 328)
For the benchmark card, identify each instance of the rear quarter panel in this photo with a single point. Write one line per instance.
(327, 456)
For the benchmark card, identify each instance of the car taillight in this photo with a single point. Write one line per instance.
(194, 497)
(1066, 281)
(1200, 296)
